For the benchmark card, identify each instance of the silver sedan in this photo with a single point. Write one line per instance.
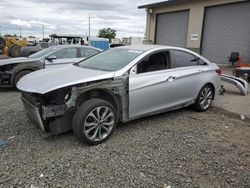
(118, 85)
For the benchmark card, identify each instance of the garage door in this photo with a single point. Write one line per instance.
(226, 29)
(171, 28)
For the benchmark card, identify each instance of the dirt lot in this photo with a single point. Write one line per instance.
(178, 149)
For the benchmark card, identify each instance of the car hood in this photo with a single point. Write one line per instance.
(17, 60)
(46, 80)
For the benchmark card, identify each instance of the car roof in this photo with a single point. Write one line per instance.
(143, 47)
(146, 47)
(73, 45)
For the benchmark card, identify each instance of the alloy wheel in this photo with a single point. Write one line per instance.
(206, 98)
(99, 123)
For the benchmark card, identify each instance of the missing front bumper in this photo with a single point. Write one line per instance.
(5, 80)
(33, 114)
(59, 124)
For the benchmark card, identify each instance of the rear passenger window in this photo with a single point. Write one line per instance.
(183, 59)
(44, 45)
(66, 53)
(86, 52)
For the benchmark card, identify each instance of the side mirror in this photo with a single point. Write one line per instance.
(51, 57)
(133, 70)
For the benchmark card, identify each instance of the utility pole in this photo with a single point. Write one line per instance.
(43, 30)
(20, 31)
(89, 26)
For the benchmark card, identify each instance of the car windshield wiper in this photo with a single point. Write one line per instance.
(76, 64)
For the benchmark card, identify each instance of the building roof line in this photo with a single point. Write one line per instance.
(169, 2)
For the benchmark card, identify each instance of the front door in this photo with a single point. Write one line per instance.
(150, 88)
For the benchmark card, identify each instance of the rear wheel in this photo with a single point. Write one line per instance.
(94, 121)
(20, 75)
(204, 99)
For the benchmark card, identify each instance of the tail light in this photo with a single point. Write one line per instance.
(218, 71)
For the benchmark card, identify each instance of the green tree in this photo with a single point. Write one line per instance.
(32, 37)
(9, 35)
(107, 33)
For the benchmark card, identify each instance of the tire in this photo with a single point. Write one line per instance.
(9, 50)
(204, 99)
(91, 128)
(2, 43)
(19, 75)
(15, 51)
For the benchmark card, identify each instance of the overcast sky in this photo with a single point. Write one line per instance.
(71, 16)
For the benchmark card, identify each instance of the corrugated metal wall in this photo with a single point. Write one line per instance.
(172, 28)
(226, 29)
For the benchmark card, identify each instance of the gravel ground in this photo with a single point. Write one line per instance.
(178, 149)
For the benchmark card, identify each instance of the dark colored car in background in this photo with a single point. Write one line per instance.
(36, 47)
(116, 45)
(11, 70)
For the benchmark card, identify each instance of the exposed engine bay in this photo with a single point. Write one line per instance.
(53, 111)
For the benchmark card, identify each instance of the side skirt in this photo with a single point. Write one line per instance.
(161, 111)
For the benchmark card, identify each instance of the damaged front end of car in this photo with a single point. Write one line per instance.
(53, 112)
(6, 75)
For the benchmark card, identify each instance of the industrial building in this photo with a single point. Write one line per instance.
(213, 28)
(132, 40)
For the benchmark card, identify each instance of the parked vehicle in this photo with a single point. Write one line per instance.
(63, 39)
(116, 45)
(11, 46)
(11, 70)
(36, 47)
(118, 85)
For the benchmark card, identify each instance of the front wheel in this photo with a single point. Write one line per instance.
(19, 75)
(204, 99)
(94, 121)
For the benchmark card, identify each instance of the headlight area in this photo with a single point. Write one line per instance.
(57, 110)
(6, 75)
(51, 112)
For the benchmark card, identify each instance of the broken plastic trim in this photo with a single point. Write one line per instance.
(241, 84)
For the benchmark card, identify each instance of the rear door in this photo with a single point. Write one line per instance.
(63, 56)
(188, 70)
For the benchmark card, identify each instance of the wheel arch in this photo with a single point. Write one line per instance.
(213, 87)
(104, 94)
(20, 70)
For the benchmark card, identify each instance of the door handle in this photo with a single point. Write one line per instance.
(171, 78)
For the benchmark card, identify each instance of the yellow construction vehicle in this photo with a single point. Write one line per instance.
(11, 46)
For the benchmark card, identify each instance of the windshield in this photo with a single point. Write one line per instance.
(42, 52)
(110, 60)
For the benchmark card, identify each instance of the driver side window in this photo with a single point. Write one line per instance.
(155, 62)
(66, 53)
